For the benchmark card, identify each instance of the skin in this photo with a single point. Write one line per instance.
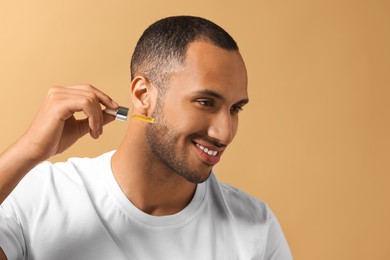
(53, 130)
(200, 106)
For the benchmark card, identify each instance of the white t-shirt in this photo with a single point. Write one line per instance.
(76, 210)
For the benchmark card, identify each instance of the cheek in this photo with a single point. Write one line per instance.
(190, 124)
(185, 118)
(234, 126)
(187, 126)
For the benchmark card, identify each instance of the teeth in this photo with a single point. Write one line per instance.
(206, 150)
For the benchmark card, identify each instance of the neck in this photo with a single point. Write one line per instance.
(149, 184)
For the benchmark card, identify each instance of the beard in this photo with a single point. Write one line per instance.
(163, 143)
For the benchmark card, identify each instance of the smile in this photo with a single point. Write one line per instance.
(206, 150)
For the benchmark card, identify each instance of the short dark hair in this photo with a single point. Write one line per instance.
(163, 45)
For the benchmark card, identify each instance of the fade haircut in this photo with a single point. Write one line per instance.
(162, 48)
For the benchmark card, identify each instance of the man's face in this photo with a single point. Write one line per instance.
(198, 115)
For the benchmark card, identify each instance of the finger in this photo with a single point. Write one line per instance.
(103, 98)
(89, 91)
(87, 104)
(84, 128)
(95, 119)
(89, 97)
(107, 118)
(86, 90)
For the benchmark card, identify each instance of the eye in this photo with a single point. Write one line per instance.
(235, 109)
(206, 102)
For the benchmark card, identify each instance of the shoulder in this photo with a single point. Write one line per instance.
(70, 169)
(240, 203)
(252, 217)
(240, 195)
(54, 181)
(59, 172)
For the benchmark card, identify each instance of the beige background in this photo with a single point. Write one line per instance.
(314, 141)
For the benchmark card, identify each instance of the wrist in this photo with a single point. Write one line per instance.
(28, 151)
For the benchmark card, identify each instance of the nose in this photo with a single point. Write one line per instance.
(223, 128)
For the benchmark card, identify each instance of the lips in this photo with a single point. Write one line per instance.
(206, 150)
(208, 155)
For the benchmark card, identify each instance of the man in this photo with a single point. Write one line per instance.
(155, 197)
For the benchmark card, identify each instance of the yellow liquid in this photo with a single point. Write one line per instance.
(144, 118)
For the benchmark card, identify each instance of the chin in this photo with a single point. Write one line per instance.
(197, 178)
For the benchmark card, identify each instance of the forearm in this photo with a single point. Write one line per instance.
(15, 163)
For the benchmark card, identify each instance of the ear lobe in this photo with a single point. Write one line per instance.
(143, 95)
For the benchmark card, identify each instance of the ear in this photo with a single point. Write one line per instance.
(143, 96)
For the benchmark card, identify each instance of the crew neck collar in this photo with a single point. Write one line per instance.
(167, 221)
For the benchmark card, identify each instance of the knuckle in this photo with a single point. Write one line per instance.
(86, 101)
(88, 87)
(53, 89)
(92, 96)
(52, 95)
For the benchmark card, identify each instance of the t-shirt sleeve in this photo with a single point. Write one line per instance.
(277, 246)
(11, 236)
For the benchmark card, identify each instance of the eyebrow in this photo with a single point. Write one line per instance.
(214, 94)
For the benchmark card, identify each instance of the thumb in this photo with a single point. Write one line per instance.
(107, 118)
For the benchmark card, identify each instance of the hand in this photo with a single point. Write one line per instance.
(55, 128)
